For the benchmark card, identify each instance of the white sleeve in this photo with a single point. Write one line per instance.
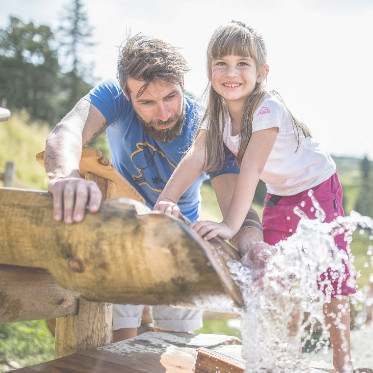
(268, 115)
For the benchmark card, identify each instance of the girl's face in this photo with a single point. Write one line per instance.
(234, 77)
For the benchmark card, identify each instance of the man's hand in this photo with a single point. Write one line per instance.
(210, 229)
(71, 196)
(168, 207)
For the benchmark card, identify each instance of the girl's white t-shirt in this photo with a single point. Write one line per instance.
(288, 171)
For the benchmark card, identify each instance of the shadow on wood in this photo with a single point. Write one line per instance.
(122, 254)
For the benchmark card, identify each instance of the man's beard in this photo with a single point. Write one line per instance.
(168, 134)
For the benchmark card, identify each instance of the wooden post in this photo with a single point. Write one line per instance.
(9, 174)
(90, 328)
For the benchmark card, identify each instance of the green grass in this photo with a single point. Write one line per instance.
(210, 209)
(26, 343)
(218, 327)
(20, 142)
(362, 261)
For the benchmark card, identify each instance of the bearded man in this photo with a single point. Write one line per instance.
(150, 124)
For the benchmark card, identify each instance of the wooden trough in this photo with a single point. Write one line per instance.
(123, 254)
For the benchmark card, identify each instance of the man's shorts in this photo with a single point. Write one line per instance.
(280, 222)
(230, 165)
(164, 317)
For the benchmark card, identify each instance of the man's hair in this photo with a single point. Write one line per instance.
(146, 59)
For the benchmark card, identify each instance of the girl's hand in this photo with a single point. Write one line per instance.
(210, 229)
(167, 207)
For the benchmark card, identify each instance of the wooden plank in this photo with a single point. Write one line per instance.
(32, 294)
(117, 255)
(147, 353)
(211, 361)
(155, 352)
(78, 363)
(90, 328)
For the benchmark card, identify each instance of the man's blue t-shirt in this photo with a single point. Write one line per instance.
(146, 163)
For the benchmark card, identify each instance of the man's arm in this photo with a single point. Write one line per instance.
(71, 193)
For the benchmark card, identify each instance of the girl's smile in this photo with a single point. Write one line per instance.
(234, 77)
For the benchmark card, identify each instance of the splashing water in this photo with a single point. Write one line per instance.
(273, 319)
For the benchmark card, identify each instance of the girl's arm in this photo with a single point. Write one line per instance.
(187, 171)
(254, 160)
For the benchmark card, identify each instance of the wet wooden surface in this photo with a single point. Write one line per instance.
(147, 353)
(158, 353)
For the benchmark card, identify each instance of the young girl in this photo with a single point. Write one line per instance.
(270, 144)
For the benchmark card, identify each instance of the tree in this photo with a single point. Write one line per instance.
(75, 34)
(365, 167)
(28, 68)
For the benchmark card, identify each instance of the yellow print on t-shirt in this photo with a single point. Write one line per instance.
(147, 159)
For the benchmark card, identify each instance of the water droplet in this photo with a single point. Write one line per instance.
(298, 264)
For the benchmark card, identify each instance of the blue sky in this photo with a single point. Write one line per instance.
(320, 53)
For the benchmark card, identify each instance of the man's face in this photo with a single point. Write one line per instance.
(160, 108)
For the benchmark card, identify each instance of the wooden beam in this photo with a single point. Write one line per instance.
(123, 254)
(32, 294)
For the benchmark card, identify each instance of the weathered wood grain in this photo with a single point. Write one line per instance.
(93, 162)
(211, 361)
(91, 327)
(118, 255)
(156, 353)
(32, 294)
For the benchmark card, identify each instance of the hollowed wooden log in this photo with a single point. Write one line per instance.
(122, 254)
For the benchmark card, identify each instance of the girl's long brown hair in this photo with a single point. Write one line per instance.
(235, 38)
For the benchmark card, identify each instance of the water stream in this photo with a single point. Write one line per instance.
(285, 303)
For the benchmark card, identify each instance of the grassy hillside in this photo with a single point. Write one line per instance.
(20, 142)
